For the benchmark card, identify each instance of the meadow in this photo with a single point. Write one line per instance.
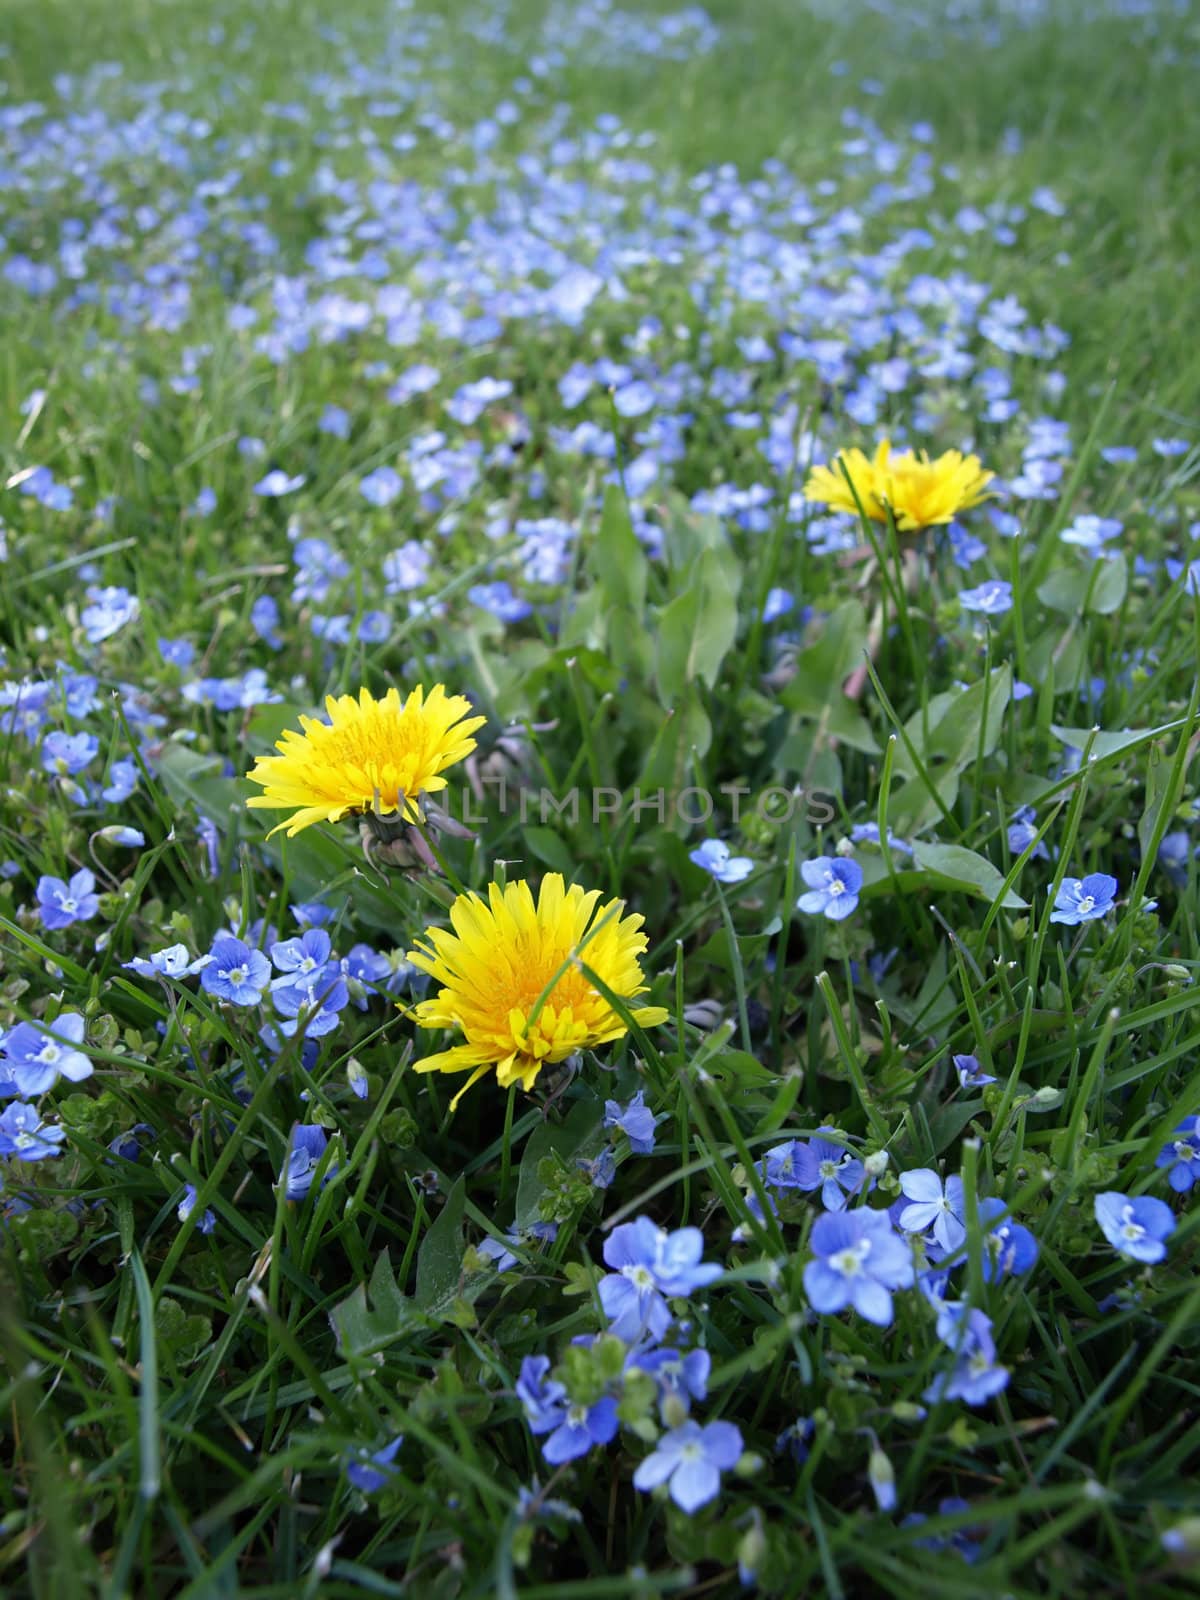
(599, 703)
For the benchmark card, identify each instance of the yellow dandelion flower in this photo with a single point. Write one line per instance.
(372, 755)
(498, 964)
(827, 485)
(921, 493)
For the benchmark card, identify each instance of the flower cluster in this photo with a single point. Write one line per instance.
(628, 1370)
(33, 1059)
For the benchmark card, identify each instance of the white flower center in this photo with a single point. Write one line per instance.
(639, 1276)
(1086, 904)
(849, 1261)
(836, 886)
(49, 1054)
(830, 1169)
(237, 975)
(24, 1140)
(577, 1416)
(307, 964)
(1184, 1151)
(1130, 1229)
(67, 902)
(691, 1452)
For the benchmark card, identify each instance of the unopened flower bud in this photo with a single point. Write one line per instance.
(1183, 1539)
(752, 1547)
(118, 835)
(883, 1480)
(674, 1411)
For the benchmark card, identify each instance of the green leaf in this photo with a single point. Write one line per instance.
(585, 624)
(716, 948)
(936, 1004)
(822, 669)
(686, 533)
(1107, 745)
(551, 849)
(738, 1069)
(616, 557)
(439, 1260)
(375, 1315)
(697, 629)
(684, 730)
(269, 723)
(824, 666)
(1158, 781)
(948, 1121)
(913, 807)
(961, 868)
(580, 1135)
(949, 732)
(1098, 588)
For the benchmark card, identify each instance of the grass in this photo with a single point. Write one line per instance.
(190, 1398)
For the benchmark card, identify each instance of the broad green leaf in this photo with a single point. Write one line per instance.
(948, 1121)
(823, 666)
(616, 557)
(375, 1315)
(1158, 781)
(596, 668)
(949, 732)
(268, 723)
(551, 849)
(439, 1260)
(961, 868)
(822, 669)
(697, 629)
(716, 948)
(737, 1069)
(1107, 745)
(684, 732)
(913, 807)
(936, 1003)
(1100, 588)
(1060, 659)
(585, 624)
(686, 533)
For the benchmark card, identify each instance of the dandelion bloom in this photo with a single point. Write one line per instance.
(511, 957)
(372, 755)
(921, 493)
